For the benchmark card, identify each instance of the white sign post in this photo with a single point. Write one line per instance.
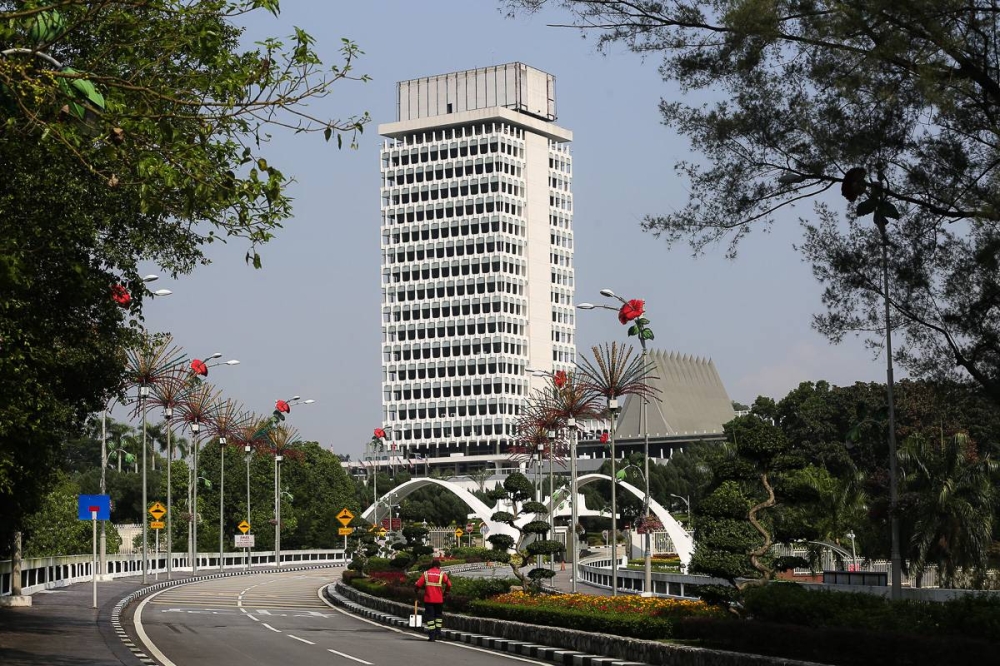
(244, 541)
(93, 520)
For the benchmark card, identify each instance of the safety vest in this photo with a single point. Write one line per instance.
(434, 583)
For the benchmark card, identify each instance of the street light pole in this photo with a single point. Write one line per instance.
(249, 454)
(895, 559)
(647, 589)
(193, 499)
(222, 494)
(613, 409)
(574, 511)
(552, 510)
(277, 509)
(167, 415)
(143, 394)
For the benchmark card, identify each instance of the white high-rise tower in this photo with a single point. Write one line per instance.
(477, 258)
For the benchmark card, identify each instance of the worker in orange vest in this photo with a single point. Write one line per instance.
(435, 585)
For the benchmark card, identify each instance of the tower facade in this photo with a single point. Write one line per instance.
(477, 258)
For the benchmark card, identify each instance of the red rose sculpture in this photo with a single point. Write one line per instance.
(120, 295)
(604, 438)
(560, 379)
(282, 406)
(379, 433)
(632, 309)
(198, 367)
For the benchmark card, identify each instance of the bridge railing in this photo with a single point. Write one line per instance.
(44, 573)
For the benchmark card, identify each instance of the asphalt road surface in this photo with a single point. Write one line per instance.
(281, 619)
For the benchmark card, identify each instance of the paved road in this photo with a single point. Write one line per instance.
(279, 618)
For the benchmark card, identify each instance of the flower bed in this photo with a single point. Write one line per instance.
(626, 615)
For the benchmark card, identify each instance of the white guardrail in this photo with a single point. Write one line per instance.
(44, 573)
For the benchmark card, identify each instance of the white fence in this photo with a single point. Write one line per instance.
(42, 573)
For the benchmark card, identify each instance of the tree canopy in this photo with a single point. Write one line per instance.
(131, 132)
(893, 104)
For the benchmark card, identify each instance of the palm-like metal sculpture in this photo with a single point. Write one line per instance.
(149, 363)
(168, 393)
(615, 371)
(196, 408)
(226, 425)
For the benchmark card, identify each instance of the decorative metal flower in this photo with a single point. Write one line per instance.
(227, 421)
(282, 406)
(153, 361)
(120, 295)
(199, 367)
(631, 309)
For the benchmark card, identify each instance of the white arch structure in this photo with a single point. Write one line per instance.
(682, 542)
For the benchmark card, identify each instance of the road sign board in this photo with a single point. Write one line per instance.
(157, 511)
(382, 532)
(458, 533)
(88, 503)
(344, 531)
(157, 524)
(484, 529)
(244, 527)
(345, 516)
(243, 540)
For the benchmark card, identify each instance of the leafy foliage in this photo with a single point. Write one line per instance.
(115, 156)
(894, 103)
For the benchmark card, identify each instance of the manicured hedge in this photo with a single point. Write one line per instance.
(973, 616)
(835, 645)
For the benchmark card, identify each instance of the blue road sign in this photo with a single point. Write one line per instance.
(99, 503)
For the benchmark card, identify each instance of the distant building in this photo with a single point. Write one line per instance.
(477, 259)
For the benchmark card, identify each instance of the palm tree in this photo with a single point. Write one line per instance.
(955, 500)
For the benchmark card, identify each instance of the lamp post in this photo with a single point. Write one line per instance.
(895, 559)
(633, 311)
(613, 411)
(248, 454)
(193, 499)
(687, 503)
(278, 458)
(574, 510)
(854, 553)
(168, 413)
(104, 416)
(143, 395)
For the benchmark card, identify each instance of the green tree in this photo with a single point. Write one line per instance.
(734, 523)
(953, 506)
(55, 529)
(894, 103)
(515, 499)
(116, 155)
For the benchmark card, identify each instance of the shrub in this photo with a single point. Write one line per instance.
(972, 616)
(621, 624)
(834, 645)
(472, 554)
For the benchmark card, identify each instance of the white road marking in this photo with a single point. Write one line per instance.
(301, 639)
(272, 628)
(141, 633)
(347, 656)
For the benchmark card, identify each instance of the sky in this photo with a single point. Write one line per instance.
(308, 322)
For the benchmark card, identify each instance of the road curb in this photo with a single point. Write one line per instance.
(521, 648)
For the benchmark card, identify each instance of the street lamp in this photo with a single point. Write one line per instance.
(687, 503)
(613, 411)
(281, 406)
(632, 311)
(854, 553)
(104, 443)
(895, 559)
(192, 499)
(248, 455)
